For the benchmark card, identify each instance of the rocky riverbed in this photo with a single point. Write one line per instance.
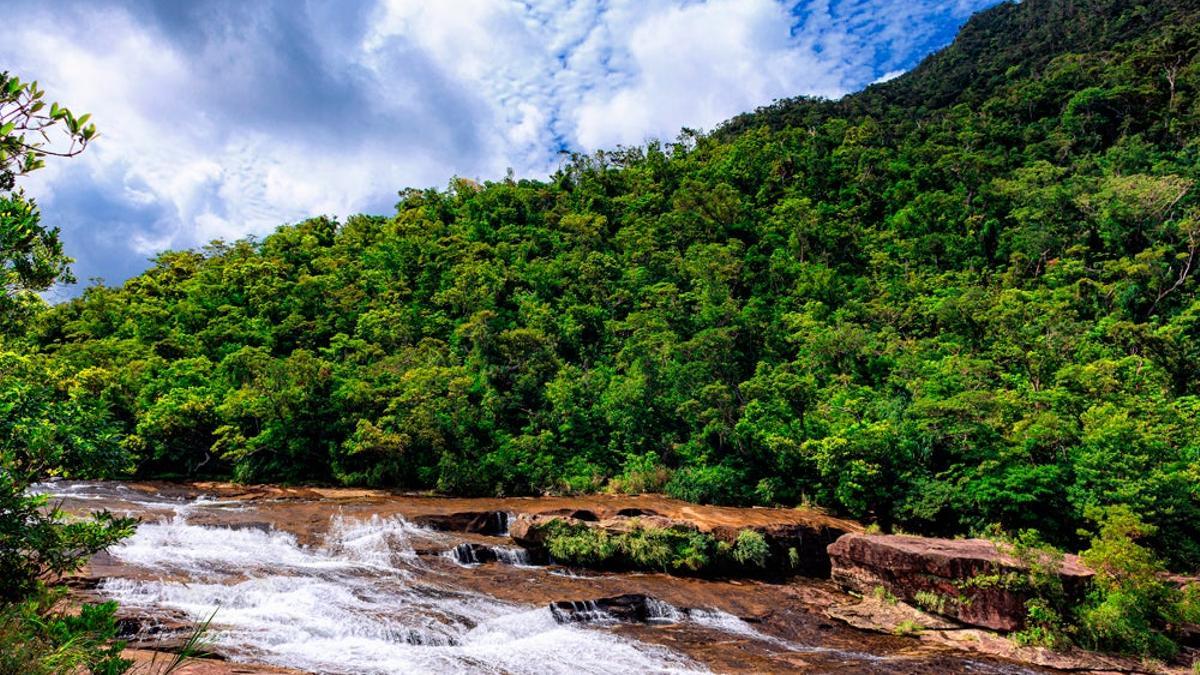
(361, 581)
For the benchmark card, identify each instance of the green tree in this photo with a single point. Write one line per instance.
(31, 256)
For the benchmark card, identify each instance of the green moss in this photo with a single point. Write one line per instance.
(930, 601)
(883, 594)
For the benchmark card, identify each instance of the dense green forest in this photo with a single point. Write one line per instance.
(962, 299)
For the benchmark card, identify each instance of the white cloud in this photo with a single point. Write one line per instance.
(696, 65)
(888, 76)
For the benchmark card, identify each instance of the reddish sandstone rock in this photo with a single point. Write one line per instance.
(906, 566)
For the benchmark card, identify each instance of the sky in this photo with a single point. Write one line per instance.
(226, 118)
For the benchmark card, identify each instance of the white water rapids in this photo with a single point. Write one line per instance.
(355, 605)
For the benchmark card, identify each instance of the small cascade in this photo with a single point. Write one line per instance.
(470, 554)
(658, 611)
(503, 521)
(517, 557)
(580, 611)
(628, 608)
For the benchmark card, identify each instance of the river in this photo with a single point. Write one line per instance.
(343, 581)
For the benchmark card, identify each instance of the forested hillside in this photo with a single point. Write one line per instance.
(964, 298)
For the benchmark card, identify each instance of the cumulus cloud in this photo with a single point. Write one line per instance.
(226, 118)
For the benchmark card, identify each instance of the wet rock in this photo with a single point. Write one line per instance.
(939, 573)
(627, 608)
(470, 553)
(493, 523)
(167, 630)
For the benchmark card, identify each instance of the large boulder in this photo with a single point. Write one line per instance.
(973, 581)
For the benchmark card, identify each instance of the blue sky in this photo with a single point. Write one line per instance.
(226, 118)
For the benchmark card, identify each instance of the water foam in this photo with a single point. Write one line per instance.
(355, 604)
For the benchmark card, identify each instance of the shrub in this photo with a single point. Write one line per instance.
(37, 544)
(641, 474)
(578, 544)
(1131, 605)
(1044, 626)
(707, 485)
(652, 548)
(751, 549)
(36, 638)
(581, 476)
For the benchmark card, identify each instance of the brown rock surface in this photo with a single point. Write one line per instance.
(897, 618)
(906, 565)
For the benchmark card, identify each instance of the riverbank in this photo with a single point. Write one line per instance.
(328, 579)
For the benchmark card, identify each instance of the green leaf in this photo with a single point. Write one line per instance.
(7, 128)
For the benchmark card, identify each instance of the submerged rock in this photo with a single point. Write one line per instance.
(970, 580)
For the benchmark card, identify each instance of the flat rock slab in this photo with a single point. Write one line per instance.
(946, 574)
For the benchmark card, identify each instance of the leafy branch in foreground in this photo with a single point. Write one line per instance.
(25, 129)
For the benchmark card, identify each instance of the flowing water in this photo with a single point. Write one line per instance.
(353, 586)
